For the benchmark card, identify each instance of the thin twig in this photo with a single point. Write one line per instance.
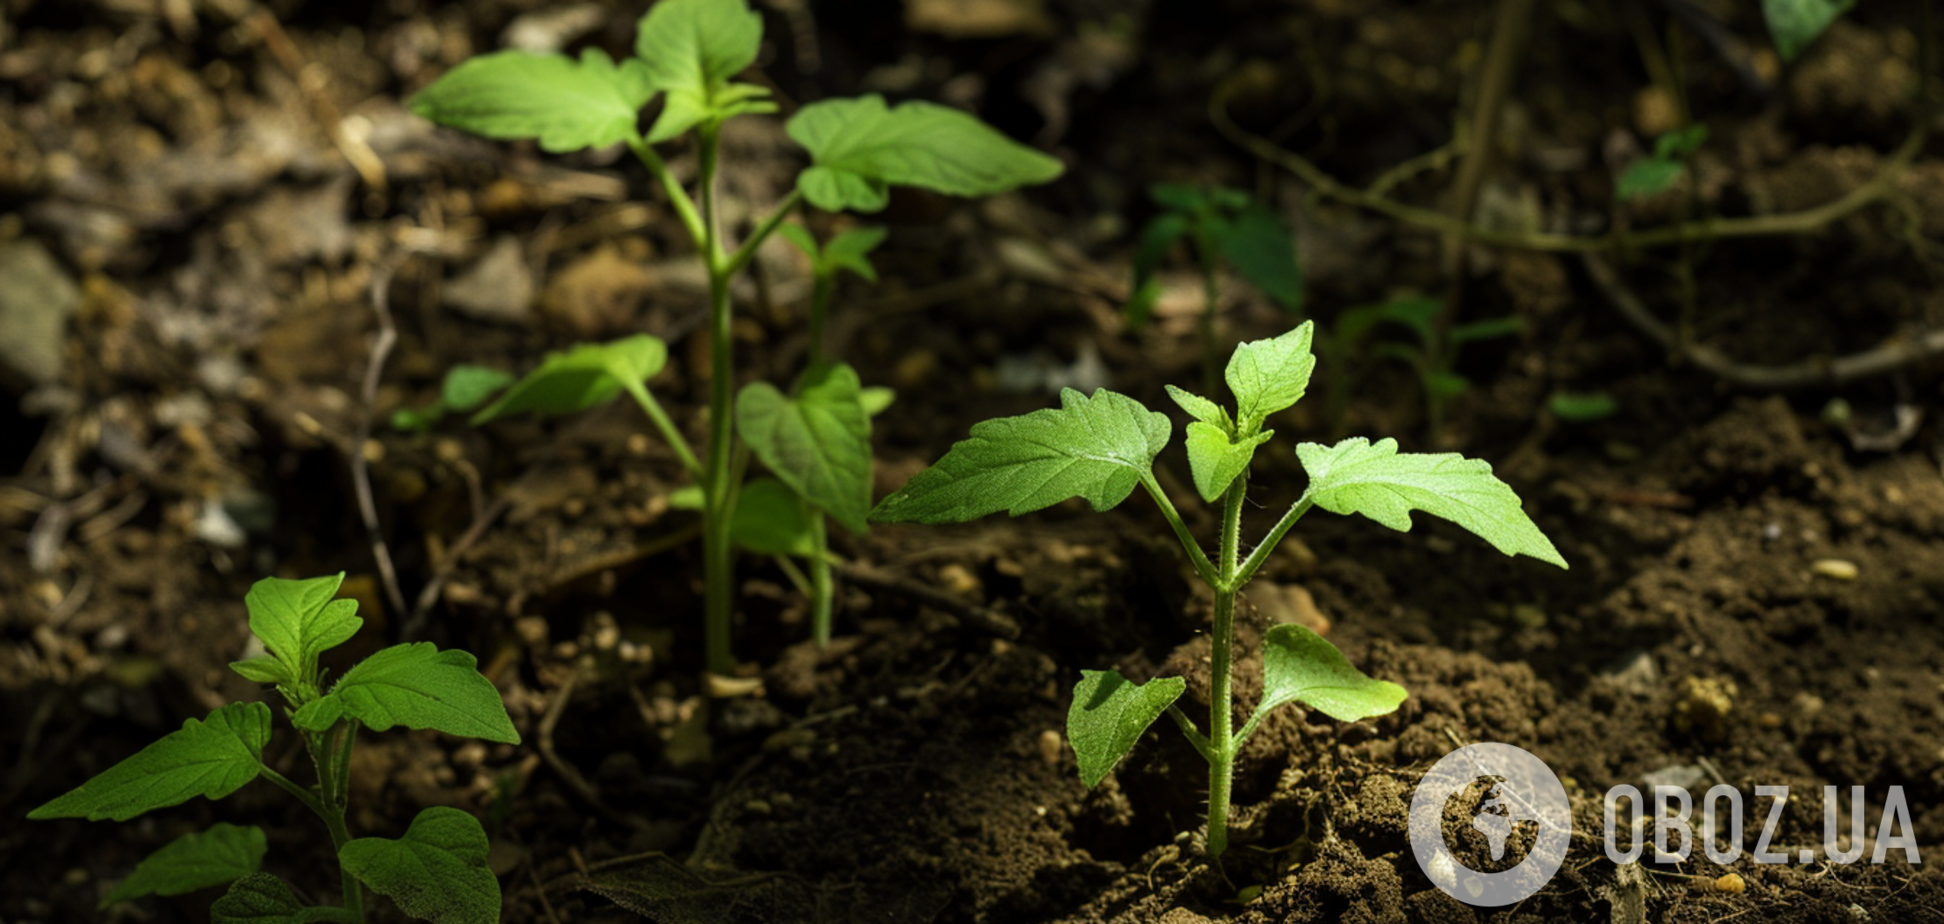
(972, 614)
(576, 783)
(1511, 20)
(1888, 357)
(427, 598)
(381, 348)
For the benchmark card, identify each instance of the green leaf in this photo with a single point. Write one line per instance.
(436, 872)
(1179, 197)
(1097, 448)
(1156, 240)
(222, 854)
(416, 419)
(1647, 177)
(1681, 142)
(588, 375)
(1270, 375)
(1215, 461)
(850, 250)
(1487, 329)
(1109, 715)
(299, 620)
(261, 898)
(1794, 24)
(859, 146)
(265, 669)
(772, 519)
(803, 240)
(1201, 408)
(689, 49)
(1442, 385)
(417, 686)
(210, 757)
(1575, 407)
(1417, 313)
(876, 399)
(1261, 248)
(567, 105)
(1299, 666)
(468, 386)
(818, 442)
(1357, 476)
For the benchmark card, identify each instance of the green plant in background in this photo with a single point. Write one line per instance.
(1102, 447)
(1659, 172)
(436, 871)
(1222, 224)
(1794, 24)
(1433, 356)
(815, 438)
(465, 387)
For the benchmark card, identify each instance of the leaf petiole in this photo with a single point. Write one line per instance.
(1195, 553)
(677, 196)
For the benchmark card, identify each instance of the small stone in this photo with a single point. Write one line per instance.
(1705, 705)
(1731, 883)
(1634, 672)
(497, 288)
(1835, 569)
(36, 300)
(1050, 746)
(1285, 604)
(957, 579)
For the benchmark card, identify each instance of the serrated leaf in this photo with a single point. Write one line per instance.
(588, 375)
(210, 757)
(771, 519)
(436, 872)
(1215, 461)
(818, 442)
(1647, 177)
(468, 386)
(265, 669)
(850, 250)
(1109, 715)
(1201, 408)
(1270, 375)
(1097, 448)
(690, 49)
(567, 105)
(299, 620)
(859, 146)
(1260, 247)
(1794, 24)
(1374, 479)
(1299, 666)
(222, 854)
(261, 898)
(417, 686)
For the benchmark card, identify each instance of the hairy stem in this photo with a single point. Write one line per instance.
(1221, 735)
(718, 485)
(1246, 572)
(332, 758)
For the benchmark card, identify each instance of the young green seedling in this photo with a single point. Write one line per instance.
(1222, 224)
(1434, 357)
(1657, 173)
(1102, 447)
(815, 438)
(1794, 24)
(436, 871)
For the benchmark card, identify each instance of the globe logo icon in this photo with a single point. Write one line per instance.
(1511, 797)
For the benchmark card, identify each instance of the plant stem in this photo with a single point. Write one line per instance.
(1221, 727)
(718, 562)
(1246, 572)
(820, 588)
(747, 251)
(677, 196)
(1188, 543)
(332, 759)
(670, 434)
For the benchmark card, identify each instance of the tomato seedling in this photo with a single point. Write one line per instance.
(436, 871)
(814, 437)
(1102, 447)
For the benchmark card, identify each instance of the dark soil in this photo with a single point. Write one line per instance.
(1754, 595)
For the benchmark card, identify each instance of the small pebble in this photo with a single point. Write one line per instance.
(1050, 745)
(1732, 883)
(1835, 568)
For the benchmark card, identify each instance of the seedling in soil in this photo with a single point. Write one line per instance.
(815, 437)
(1434, 355)
(1659, 172)
(1222, 224)
(436, 871)
(1102, 447)
(1794, 24)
